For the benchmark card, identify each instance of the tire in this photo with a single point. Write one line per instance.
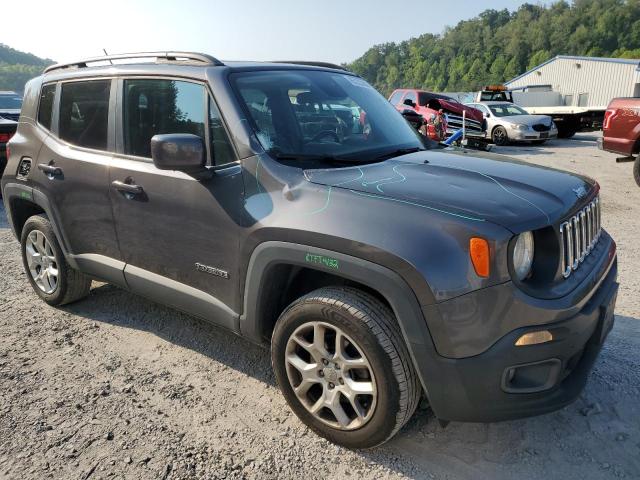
(372, 336)
(70, 285)
(499, 136)
(636, 170)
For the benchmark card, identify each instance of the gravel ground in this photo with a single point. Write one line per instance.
(118, 387)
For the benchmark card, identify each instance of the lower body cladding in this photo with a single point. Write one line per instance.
(506, 381)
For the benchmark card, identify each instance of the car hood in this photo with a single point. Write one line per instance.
(527, 119)
(473, 185)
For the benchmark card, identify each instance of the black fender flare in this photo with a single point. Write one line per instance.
(13, 191)
(389, 284)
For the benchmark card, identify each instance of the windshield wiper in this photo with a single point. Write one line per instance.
(398, 152)
(318, 158)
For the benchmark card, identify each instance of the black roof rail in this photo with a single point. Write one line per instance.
(313, 64)
(159, 56)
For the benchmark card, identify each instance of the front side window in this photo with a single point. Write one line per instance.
(154, 107)
(507, 110)
(412, 96)
(45, 109)
(84, 113)
(298, 114)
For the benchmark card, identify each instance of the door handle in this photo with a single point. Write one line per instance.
(127, 187)
(50, 170)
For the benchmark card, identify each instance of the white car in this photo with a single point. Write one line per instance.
(507, 122)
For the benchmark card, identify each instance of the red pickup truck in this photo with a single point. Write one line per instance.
(621, 131)
(428, 104)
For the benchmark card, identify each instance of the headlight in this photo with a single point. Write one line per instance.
(520, 126)
(523, 255)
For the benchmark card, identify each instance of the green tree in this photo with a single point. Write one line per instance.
(497, 45)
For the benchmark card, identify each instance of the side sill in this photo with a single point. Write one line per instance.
(181, 297)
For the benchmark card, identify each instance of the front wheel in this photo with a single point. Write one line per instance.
(500, 136)
(343, 367)
(636, 170)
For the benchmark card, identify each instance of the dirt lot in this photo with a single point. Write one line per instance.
(118, 387)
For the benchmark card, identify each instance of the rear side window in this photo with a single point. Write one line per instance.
(84, 113)
(154, 107)
(45, 109)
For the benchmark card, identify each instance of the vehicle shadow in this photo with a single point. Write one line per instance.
(112, 305)
(423, 448)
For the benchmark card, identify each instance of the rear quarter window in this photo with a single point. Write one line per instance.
(84, 113)
(45, 107)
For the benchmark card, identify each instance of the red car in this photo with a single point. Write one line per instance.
(621, 131)
(428, 104)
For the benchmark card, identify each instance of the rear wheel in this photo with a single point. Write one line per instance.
(500, 136)
(636, 170)
(49, 273)
(343, 367)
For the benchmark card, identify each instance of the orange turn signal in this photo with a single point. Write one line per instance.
(479, 252)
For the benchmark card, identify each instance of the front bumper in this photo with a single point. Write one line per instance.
(532, 135)
(506, 382)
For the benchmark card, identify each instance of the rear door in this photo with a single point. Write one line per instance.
(179, 235)
(76, 121)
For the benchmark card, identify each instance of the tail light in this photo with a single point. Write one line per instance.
(5, 137)
(608, 115)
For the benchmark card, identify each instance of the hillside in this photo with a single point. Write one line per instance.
(499, 45)
(17, 67)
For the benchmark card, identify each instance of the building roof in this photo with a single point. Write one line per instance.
(627, 61)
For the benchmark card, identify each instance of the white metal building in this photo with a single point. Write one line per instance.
(579, 81)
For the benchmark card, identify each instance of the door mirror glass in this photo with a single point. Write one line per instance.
(178, 151)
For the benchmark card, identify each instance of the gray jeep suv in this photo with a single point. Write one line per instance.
(291, 204)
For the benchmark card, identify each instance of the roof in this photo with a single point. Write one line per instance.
(627, 61)
(173, 59)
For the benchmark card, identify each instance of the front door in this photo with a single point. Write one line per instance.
(178, 233)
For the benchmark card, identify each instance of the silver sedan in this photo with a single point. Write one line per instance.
(508, 122)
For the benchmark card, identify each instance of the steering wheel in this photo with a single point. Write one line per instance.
(324, 134)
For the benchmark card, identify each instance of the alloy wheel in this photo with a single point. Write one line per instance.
(42, 262)
(331, 376)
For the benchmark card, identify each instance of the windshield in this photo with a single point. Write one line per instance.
(507, 110)
(307, 113)
(10, 102)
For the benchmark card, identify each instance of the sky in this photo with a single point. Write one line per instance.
(322, 30)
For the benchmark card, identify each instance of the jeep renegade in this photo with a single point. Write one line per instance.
(293, 205)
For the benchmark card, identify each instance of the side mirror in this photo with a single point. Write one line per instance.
(178, 151)
(409, 102)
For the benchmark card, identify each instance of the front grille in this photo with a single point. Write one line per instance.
(579, 236)
(540, 127)
(454, 123)
(10, 116)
